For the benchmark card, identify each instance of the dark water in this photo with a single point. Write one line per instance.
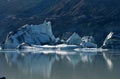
(40, 65)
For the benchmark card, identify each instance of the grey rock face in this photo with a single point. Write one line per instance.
(112, 41)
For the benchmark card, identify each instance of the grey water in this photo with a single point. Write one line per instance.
(17, 64)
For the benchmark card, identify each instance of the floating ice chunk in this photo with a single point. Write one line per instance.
(88, 42)
(90, 50)
(88, 39)
(30, 34)
(88, 45)
(74, 39)
(108, 37)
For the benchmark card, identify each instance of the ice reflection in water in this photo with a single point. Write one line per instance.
(59, 65)
(108, 60)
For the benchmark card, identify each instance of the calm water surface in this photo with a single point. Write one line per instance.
(60, 65)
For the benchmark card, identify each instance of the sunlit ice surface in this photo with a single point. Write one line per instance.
(80, 63)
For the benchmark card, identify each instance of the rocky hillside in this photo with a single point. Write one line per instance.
(86, 17)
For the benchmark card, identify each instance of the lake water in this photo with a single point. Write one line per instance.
(15, 64)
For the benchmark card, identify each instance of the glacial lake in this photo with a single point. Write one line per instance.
(16, 64)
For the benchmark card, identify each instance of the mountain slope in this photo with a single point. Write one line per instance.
(86, 17)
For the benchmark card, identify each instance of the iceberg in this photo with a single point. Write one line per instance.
(84, 42)
(37, 36)
(30, 34)
(88, 42)
(88, 39)
(112, 41)
(88, 45)
(74, 39)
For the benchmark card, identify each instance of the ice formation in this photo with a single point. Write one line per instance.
(30, 34)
